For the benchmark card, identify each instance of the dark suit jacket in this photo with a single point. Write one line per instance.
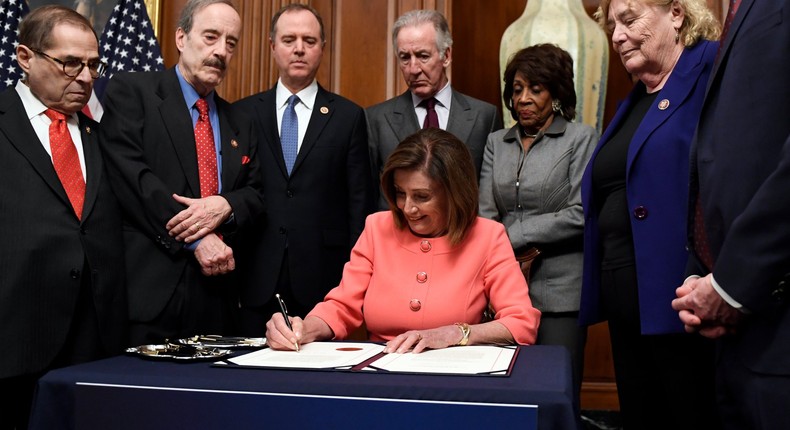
(391, 121)
(149, 142)
(319, 210)
(46, 248)
(741, 167)
(657, 186)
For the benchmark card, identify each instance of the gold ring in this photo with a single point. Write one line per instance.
(197, 226)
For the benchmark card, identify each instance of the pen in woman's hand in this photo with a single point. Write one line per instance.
(284, 311)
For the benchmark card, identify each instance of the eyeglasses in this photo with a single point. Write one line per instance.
(73, 68)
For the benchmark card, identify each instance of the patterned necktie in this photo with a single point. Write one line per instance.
(290, 133)
(431, 118)
(66, 160)
(206, 152)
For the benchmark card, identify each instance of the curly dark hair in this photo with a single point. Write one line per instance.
(548, 65)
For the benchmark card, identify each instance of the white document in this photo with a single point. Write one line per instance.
(464, 360)
(315, 355)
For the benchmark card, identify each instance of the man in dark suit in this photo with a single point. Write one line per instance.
(316, 177)
(62, 295)
(423, 45)
(741, 233)
(188, 180)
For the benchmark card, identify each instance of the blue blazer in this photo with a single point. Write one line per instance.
(657, 191)
(744, 127)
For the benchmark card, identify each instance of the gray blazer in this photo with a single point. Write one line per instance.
(391, 121)
(545, 210)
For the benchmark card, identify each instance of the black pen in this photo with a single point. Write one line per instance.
(284, 310)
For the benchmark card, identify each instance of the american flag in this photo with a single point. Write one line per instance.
(128, 43)
(11, 12)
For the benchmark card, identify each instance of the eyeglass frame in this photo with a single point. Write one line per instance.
(101, 68)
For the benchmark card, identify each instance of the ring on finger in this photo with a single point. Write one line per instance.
(197, 226)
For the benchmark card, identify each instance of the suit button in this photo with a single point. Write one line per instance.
(282, 230)
(75, 274)
(640, 212)
(289, 194)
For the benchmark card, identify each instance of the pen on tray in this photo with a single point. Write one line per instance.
(284, 310)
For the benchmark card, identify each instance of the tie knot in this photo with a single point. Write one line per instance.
(55, 115)
(202, 106)
(428, 103)
(292, 101)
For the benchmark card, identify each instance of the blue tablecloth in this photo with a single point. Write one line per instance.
(130, 392)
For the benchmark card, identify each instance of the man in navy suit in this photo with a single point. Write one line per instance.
(741, 233)
(62, 295)
(423, 45)
(181, 215)
(316, 178)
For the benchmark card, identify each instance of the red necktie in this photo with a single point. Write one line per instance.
(431, 119)
(206, 152)
(66, 160)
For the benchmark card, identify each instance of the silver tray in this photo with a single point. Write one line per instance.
(171, 351)
(217, 341)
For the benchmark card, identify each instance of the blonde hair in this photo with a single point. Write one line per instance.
(699, 22)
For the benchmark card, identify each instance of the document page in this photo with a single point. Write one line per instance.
(466, 360)
(315, 355)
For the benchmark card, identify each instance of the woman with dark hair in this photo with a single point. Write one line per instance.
(422, 274)
(530, 183)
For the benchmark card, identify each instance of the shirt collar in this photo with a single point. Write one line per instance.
(306, 95)
(444, 96)
(33, 106)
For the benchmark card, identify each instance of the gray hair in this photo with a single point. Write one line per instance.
(187, 17)
(444, 40)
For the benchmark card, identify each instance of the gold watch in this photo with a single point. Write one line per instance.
(465, 331)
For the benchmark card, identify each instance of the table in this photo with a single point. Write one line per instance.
(130, 392)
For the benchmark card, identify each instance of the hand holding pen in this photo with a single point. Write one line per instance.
(284, 311)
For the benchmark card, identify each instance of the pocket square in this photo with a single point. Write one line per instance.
(244, 159)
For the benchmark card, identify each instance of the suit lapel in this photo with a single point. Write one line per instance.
(462, 118)
(229, 145)
(322, 112)
(178, 122)
(266, 109)
(743, 10)
(20, 134)
(403, 119)
(674, 94)
(93, 163)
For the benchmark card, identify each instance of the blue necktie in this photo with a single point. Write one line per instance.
(290, 134)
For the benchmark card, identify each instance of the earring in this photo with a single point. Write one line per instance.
(556, 106)
(677, 35)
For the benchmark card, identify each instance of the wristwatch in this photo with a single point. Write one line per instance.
(465, 331)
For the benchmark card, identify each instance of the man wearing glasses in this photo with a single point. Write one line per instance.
(62, 293)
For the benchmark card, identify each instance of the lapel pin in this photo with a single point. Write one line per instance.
(324, 110)
(663, 104)
(233, 143)
(87, 130)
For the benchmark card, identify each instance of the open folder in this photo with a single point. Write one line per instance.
(365, 356)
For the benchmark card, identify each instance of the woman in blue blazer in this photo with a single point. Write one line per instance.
(634, 195)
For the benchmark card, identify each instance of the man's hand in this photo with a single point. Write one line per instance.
(702, 309)
(214, 256)
(201, 217)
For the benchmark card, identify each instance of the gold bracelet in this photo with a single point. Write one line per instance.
(465, 332)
